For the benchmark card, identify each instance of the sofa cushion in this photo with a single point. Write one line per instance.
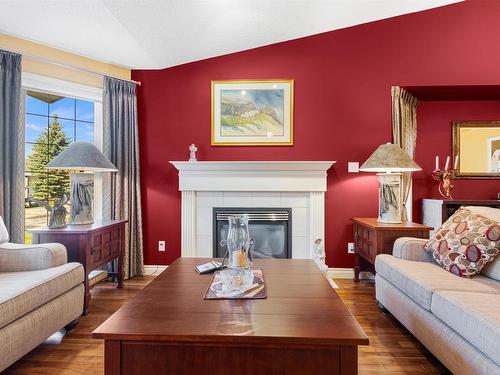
(4, 234)
(474, 316)
(419, 280)
(466, 242)
(22, 292)
(489, 212)
(492, 269)
(16, 257)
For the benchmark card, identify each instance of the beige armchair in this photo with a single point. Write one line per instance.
(40, 293)
(16, 257)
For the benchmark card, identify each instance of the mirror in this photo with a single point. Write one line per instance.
(477, 144)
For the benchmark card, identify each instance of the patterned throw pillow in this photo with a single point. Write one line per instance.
(465, 243)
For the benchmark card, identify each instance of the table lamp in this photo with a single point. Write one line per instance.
(85, 157)
(390, 160)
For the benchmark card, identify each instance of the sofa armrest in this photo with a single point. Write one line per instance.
(16, 257)
(410, 248)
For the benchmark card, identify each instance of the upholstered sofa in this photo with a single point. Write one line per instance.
(40, 293)
(457, 319)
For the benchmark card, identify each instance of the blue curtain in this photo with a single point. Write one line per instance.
(122, 190)
(11, 146)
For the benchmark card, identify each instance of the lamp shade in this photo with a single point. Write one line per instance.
(389, 158)
(82, 156)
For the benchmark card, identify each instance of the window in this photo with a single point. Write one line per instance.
(52, 123)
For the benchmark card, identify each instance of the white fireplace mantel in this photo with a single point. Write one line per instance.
(252, 175)
(300, 185)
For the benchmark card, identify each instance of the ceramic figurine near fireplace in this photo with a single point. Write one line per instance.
(192, 153)
(319, 254)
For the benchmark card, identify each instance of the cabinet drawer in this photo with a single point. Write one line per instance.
(365, 242)
(115, 235)
(96, 254)
(106, 250)
(96, 240)
(115, 248)
(106, 245)
(102, 238)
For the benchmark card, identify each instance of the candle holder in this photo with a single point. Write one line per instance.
(445, 177)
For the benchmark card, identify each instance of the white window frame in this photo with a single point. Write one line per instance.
(49, 85)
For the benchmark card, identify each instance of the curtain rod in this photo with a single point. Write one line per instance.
(66, 65)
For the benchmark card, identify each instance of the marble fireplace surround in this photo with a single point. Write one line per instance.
(299, 185)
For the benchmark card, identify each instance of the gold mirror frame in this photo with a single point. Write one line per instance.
(457, 126)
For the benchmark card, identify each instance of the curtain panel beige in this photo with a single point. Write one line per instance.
(404, 133)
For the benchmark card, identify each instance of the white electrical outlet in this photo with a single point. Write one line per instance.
(350, 247)
(161, 245)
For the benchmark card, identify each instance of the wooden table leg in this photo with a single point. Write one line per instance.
(120, 272)
(112, 357)
(357, 268)
(349, 360)
(86, 296)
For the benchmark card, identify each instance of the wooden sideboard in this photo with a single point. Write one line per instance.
(92, 245)
(436, 211)
(372, 238)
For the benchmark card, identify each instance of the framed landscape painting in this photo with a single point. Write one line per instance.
(252, 112)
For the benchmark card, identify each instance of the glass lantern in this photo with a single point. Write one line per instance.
(238, 276)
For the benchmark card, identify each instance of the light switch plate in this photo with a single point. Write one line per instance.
(353, 167)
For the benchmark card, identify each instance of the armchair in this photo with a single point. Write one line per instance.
(17, 257)
(40, 293)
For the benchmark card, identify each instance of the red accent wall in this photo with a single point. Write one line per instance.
(434, 137)
(342, 109)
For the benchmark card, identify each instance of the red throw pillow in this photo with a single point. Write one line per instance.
(465, 243)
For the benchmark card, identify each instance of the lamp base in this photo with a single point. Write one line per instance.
(81, 198)
(389, 192)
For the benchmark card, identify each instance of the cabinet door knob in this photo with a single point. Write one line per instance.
(92, 251)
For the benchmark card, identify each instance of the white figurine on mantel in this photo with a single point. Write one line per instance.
(319, 254)
(192, 153)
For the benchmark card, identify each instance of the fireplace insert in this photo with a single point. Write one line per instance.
(270, 228)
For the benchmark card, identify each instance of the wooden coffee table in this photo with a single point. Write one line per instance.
(168, 328)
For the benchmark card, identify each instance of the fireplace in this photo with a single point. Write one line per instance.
(298, 185)
(270, 228)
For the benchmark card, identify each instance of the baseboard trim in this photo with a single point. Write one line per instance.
(347, 273)
(150, 269)
(340, 273)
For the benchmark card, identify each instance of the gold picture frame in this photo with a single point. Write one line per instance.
(477, 145)
(252, 112)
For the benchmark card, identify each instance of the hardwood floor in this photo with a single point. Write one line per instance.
(76, 353)
(392, 350)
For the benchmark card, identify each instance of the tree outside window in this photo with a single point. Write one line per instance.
(52, 123)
